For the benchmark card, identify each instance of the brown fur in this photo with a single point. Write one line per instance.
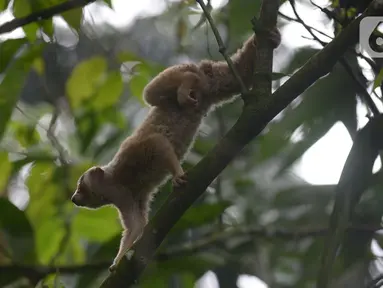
(181, 96)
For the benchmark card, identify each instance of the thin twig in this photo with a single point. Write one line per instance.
(54, 141)
(368, 60)
(50, 134)
(312, 28)
(43, 14)
(222, 48)
(329, 13)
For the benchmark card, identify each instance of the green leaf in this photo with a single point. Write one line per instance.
(188, 280)
(199, 215)
(3, 6)
(26, 135)
(73, 17)
(8, 50)
(88, 125)
(39, 65)
(143, 66)
(43, 211)
(39, 156)
(47, 242)
(109, 3)
(87, 224)
(5, 168)
(144, 72)
(137, 85)
(85, 79)
(109, 92)
(378, 79)
(23, 8)
(18, 232)
(126, 56)
(12, 84)
(47, 26)
(240, 14)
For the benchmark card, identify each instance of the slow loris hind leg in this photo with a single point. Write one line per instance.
(167, 156)
(135, 222)
(190, 90)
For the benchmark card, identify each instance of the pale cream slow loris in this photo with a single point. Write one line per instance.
(181, 96)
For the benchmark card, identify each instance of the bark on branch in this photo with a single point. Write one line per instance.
(251, 122)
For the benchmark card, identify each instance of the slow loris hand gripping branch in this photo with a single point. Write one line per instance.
(180, 95)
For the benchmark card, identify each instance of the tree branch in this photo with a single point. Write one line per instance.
(43, 14)
(250, 124)
(264, 57)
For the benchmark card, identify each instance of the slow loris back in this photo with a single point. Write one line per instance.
(181, 96)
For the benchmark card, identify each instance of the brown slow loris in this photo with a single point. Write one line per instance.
(181, 96)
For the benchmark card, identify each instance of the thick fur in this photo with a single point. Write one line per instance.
(211, 82)
(180, 95)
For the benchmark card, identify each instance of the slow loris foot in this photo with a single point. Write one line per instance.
(275, 37)
(179, 180)
(188, 98)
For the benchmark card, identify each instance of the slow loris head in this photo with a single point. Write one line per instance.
(91, 189)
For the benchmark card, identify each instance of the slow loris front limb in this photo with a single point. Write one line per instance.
(134, 214)
(180, 84)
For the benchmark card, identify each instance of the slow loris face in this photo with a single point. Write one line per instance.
(90, 189)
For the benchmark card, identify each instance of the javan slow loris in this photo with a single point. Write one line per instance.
(181, 96)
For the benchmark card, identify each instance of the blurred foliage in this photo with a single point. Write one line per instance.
(69, 96)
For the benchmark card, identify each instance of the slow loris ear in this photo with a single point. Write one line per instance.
(98, 172)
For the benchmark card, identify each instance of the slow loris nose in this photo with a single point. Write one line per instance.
(75, 199)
